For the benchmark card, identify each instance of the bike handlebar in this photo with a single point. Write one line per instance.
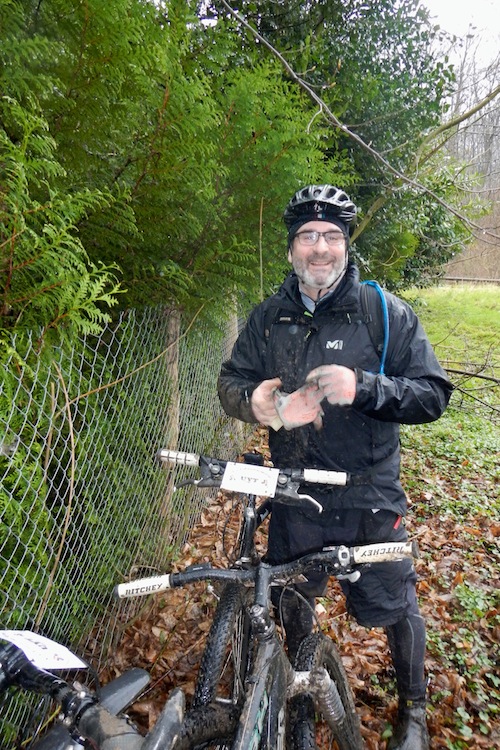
(179, 457)
(84, 713)
(79, 708)
(312, 476)
(17, 669)
(338, 561)
(264, 481)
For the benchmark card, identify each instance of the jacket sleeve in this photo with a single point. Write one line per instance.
(415, 388)
(245, 370)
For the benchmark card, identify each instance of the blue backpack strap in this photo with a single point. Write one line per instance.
(377, 318)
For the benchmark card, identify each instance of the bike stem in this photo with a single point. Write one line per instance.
(247, 553)
(263, 626)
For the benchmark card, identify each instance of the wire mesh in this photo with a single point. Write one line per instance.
(83, 502)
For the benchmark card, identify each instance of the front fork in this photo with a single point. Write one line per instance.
(318, 683)
(273, 682)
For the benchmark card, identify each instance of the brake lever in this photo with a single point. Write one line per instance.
(203, 482)
(184, 483)
(290, 493)
(314, 502)
(208, 482)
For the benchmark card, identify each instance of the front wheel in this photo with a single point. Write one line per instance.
(227, 653)
(305, 732)
(208, 727)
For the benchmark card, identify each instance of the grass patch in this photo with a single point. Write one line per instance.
(458, 317)
(463, 324)
(458, 456)
(450, 470)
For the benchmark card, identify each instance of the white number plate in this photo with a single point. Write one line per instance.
(43, 652)
(252, 480)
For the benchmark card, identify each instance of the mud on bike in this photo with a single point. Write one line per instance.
(32, 663)
(248, 695)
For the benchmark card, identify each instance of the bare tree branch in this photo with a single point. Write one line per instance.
(456, 121)
(329, 115)
(490, 407)
(468, 375)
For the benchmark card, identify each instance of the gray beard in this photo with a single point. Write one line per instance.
(334, 277)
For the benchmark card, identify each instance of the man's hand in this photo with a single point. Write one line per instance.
(337, 383)
(262, 403)
(301, 407)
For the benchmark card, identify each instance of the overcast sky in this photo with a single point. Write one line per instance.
(456, 16)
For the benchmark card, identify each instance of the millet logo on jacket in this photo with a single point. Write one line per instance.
(337, 344)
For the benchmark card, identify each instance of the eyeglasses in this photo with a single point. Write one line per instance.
(310, 237)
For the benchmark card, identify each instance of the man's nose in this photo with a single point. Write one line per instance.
(321, 242)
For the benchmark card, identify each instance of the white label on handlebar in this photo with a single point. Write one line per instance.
(383, 552)
(43, 652)
(249, 479)
(143, 586)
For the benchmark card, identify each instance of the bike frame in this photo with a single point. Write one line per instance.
(264, 706)
(270, 680)
(264, 709)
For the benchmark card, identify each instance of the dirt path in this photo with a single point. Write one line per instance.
(167, 637)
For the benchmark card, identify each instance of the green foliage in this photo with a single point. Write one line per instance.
(190, 139)
(48, 288)
(474, 603)
(375, 66)
(412, 235)
(24, 528)
(47, 281)
(263, 131)
(394, 100)
(25, 523)
(186, 184)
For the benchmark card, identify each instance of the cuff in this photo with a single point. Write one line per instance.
(366, 387)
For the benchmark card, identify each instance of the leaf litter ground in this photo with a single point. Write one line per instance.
(458, 580)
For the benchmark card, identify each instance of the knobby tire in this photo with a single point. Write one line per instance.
(212, 720)
(305, 732)
(208, 727)
(227, 651)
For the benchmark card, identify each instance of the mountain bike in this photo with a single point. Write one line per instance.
(248, 695)
(85, 716)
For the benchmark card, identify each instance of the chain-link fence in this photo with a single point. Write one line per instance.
(83, 502)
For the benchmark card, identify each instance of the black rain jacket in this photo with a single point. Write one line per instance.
(362, 439)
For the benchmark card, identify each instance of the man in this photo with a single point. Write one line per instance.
(312, 338)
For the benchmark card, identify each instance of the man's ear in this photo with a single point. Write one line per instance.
(289, 254)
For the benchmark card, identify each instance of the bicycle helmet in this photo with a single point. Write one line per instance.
(320, 203)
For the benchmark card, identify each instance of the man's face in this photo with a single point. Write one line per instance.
(320, 265)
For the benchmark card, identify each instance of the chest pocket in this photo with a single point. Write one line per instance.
(348, 343)
(298, 342)
(287, 335)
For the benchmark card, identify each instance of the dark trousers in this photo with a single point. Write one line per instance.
(384, 595)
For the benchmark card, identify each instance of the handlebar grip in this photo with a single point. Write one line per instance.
(323, 476)
(384, 552)
(178, 457)
(109, 732)
(143, 587)
(17, 669)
